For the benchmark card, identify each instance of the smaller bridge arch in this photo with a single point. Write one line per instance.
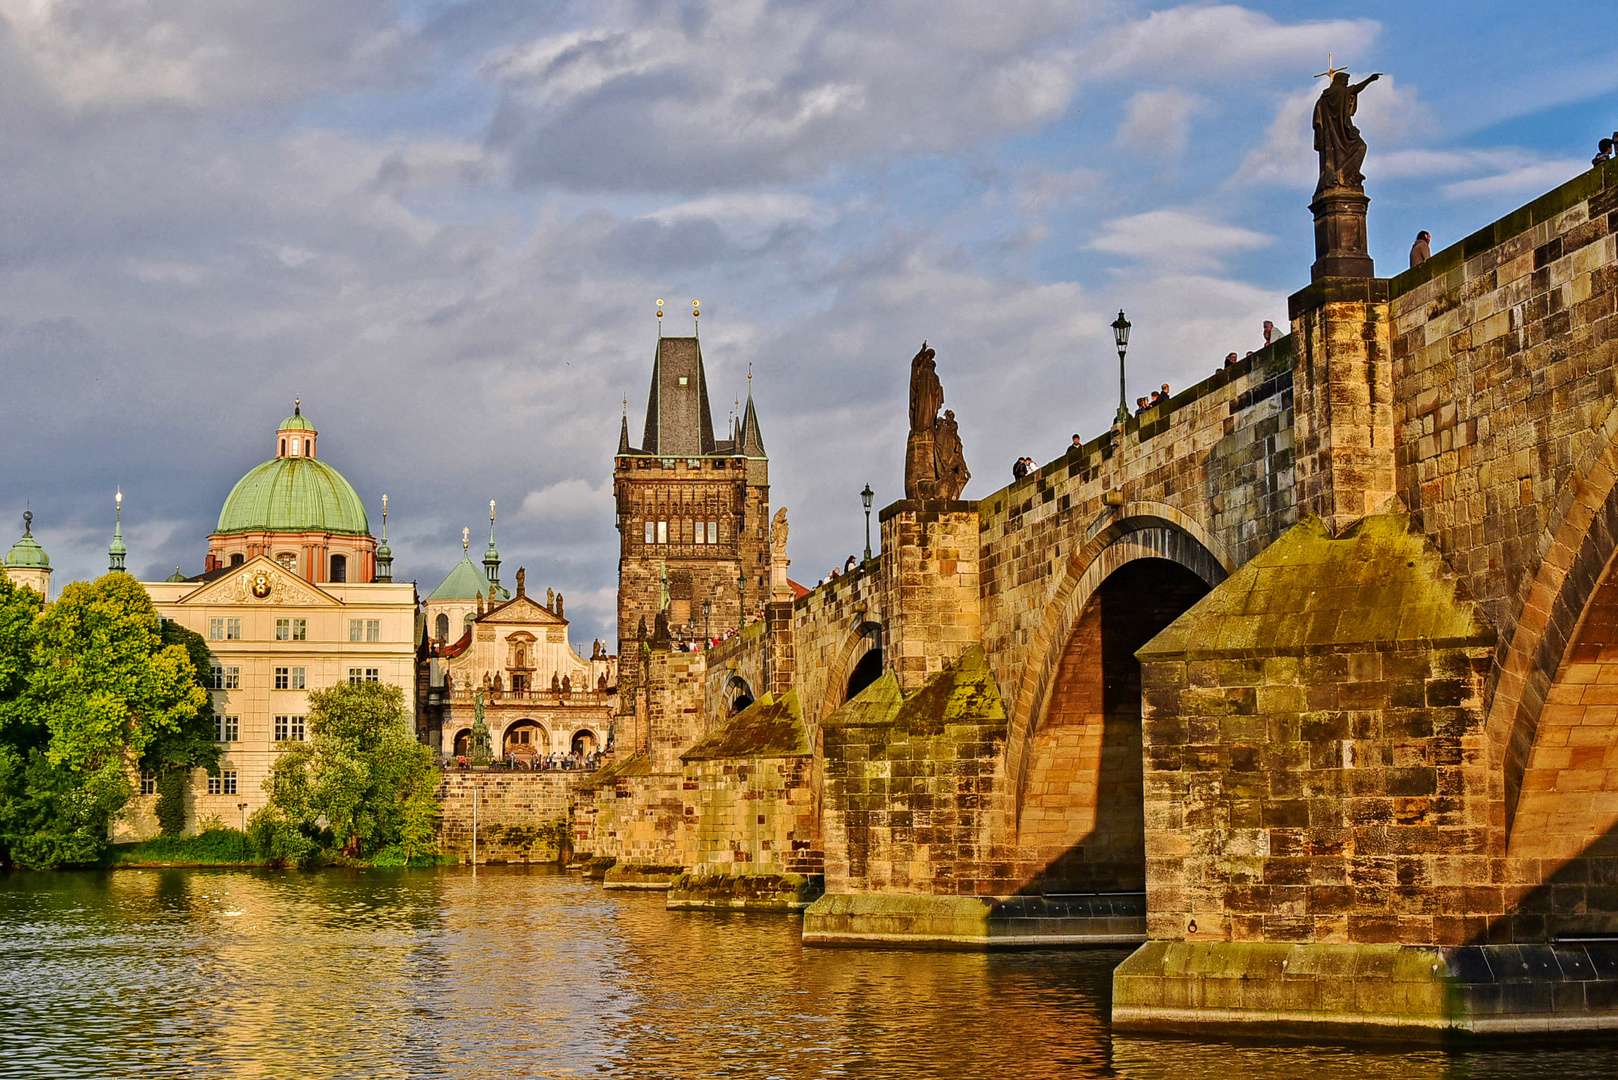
(858, 664)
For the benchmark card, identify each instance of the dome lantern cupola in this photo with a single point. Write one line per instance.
(27, 564)
(299, 511)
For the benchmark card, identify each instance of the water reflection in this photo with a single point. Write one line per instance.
(524, 972)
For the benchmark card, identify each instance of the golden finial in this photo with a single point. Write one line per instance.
(466, 538)
(1331, 69)
(491, 509)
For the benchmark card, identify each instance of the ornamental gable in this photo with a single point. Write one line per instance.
(260, 581)
(522, 610)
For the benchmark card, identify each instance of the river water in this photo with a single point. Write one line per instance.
(518, 972)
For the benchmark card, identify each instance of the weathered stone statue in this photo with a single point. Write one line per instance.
(522, 581)
(559, 614)
(550, 598)
(926, 398)
(567, 684)
(778, 534)
(481, 748)
(660, 629)
(1342, 150)
(949, 459)
(556, 683)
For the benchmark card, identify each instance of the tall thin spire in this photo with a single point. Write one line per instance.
(491, 559)
(384, 554)
(750, 441)
(117, 551)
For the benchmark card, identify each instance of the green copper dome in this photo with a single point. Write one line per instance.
(294, 494)
(26, 552)
(466, 582)
(296, 422)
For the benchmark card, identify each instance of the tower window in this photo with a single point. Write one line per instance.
(713, 532)
(662, 532)
(294, 447)
(339, 568)
(651, 530)
(306, 448)
(283, 448)
(443, 627)
(236, 559)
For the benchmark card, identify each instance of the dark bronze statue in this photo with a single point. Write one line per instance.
(935, 465)
(1342, 150)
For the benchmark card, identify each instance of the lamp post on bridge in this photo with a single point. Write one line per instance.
(707, 623)
(1120, 334)
(866, 496)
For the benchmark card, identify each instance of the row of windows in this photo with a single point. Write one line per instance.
(298, 629)
(702, 532)
(223, 784)
(286, 678)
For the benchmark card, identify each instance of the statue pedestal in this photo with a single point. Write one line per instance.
(921, 474)
(1340, 238)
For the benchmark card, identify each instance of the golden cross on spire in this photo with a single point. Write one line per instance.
(1331, 69)
(466, 538)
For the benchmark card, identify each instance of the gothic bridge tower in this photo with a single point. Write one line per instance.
(693, 512)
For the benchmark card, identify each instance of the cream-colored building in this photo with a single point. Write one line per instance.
(275, 634)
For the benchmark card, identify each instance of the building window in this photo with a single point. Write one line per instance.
(697, 536)
(443, 627)
(300, 629)
(233, 629)
(651, 531)
(217, 680)
(237, 559)
(373, 629)
(230, 729)
(307, 448)
(373, 674)
(299, 679)
(216, 629)
(283, 679)
(213, 785)
(356, 629)
(148, 784)
(296, 735)
(662, 532)
(294, 447)
(233, 678)
(339, 568)
(713, 532)
(364, 675)
(283, 629)
(287, 560)
(289, 729)
(223, 784)
(283, 448)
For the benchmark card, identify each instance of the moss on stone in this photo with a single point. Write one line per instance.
(770, 727)
(965, 692)
(1381, 584)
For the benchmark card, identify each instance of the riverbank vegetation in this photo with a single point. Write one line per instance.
(96, 692)
(92, 688)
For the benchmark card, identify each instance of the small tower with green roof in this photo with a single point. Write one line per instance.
(491, 557)
(117, 551)
(27, 564)
(384, 554)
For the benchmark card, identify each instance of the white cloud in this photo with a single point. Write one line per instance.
(1176, 238)
(1525, 180)
(567, 501)
(1198, 41)
(1157, 123)
(1389, 114)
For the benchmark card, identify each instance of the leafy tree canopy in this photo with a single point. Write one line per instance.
(361, 773)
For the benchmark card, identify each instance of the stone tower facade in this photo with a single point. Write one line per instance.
(693, 512)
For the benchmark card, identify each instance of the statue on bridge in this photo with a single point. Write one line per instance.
(935, 464)
(1342, 149)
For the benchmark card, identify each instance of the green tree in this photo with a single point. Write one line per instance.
(172, 755)
(101, 687)
(361, 774)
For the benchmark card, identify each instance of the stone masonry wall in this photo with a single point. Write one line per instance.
(522, 816)
(752, 816)
(1504, 382)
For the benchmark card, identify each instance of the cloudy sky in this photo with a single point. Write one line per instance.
(446, 223)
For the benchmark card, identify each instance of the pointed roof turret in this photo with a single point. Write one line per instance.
(679, 422)
(465, 581)
(491, 557)
(384, 554)
(116, 551)
(751, 440)
(623, 433)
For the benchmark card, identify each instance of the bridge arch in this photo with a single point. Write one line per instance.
(1572, 556)
(738, 695)
(860, 650)
(1135, 574)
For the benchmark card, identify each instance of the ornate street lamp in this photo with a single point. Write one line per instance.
(741, 596)
(707, 624)
(1120, 334)
(866, 496)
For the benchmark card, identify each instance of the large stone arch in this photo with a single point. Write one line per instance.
(863, 637)
(1576, 545)
(1140, 531)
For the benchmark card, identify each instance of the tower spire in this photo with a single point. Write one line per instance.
(384, 554)
(491, 559)
(117, 551)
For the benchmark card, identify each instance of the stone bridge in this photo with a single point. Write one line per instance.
(1303, 678)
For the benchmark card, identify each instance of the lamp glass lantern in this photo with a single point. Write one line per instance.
(866, 496)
